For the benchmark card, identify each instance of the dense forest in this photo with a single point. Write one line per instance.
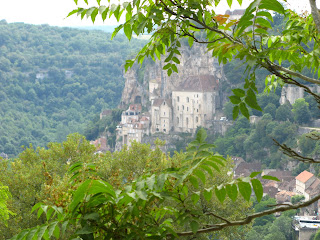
(55, 80)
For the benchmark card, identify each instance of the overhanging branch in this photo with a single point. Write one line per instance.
(315, 13)
(247, 220)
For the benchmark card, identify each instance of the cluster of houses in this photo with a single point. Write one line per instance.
(191, 105)
(305, 184)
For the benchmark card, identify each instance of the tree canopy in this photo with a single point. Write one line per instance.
(190, 196)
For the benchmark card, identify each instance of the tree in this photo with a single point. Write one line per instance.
(301, 112)
(4, 211)
(125, 211)
(284, 113)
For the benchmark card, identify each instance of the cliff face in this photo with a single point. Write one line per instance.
(194, 61)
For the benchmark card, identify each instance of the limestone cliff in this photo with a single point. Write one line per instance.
(193, 61)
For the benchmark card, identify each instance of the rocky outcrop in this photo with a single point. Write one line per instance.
(193, 61)
(292, 93)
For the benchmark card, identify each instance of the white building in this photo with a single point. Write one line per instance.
(195, 102)
(161, 111)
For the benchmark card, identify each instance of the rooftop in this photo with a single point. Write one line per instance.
(157, 102)
(304, 176)
(200, 83)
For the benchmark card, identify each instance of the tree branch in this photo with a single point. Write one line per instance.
(293, 154)
(247, 220)
(288, 71)
(315, 13)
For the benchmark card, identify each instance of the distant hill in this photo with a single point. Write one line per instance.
(108, 29)
(55, 80)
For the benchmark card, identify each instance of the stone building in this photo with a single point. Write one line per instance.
(195, 102)
(161, 111)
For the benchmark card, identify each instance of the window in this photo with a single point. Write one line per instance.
(178, 120)
(164, 130)
(164, 113)
(178, 108)
(178, 99)
(197, 95)
(187, 108)
(197, 119)
(182, 107)
(187, 122)
(187, 99)
(197, 110)
(164, 103)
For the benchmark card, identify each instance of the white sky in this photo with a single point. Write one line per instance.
(53, 12)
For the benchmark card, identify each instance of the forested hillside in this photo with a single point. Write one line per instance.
(54, 80)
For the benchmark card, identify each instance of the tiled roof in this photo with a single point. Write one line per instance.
(200, 83)
(314, 188)
(245, 169)
(135, 107)
(158, 101)
(304, 176)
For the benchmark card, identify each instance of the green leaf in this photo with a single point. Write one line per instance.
(253, 174)
(265, 14)
(207, 169)
(263, 22)
(235, 112)
(272, 5)
(51, 228)
(245, 190)
(190, 41)
(235, 99)
(200, 175)
(127, 31)
(194, 226)
(206, 146)
(41, 232)
(195, 197)
(194, 182)
(31, 234)
(244, 110)
(257, 188)
(176, 60)
(232, 191)
(220, 193)
(94, 14)
(268, 177)
(174, 68)
(229, 3)
(201, 135)
(207, 193)
(213, 165)
(79, 194)
(150, 181)
(239, 92)
(73, 12)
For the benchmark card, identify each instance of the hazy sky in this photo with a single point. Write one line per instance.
(53, 12)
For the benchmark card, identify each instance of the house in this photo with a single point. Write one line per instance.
(244, 169)
(161, 111)
(100, 144)
(195, 102)
(284, 196)
(303, 181)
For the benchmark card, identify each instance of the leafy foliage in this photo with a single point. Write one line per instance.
(154, 204)
(55, 80)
